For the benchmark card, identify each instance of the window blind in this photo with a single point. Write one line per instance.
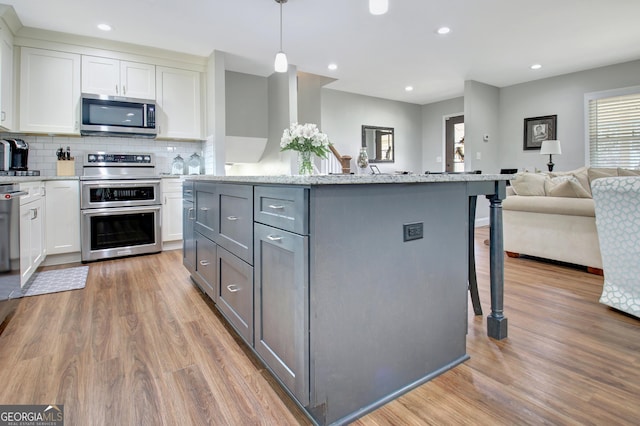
(614, 131)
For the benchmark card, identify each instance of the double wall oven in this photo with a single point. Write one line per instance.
(120, 206)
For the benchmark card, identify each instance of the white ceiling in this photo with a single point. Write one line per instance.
(491, 41)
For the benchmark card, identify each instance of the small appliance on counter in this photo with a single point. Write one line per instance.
(14, 155)
(5, 155)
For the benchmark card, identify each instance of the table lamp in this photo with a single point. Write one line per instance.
(550, 147)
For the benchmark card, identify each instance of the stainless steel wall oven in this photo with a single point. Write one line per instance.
(120, 206)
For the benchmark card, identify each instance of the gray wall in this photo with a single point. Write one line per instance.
(343, 115)
(481, 107)
(247, 105)
(564, 97)
(433, 131)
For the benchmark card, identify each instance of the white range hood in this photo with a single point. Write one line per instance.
(241, 149)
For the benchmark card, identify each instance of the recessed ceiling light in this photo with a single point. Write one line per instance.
(332, 67)
(536, 66)
(104, 27)
(443, 30)
(409, 88)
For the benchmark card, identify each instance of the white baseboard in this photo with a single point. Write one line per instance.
(482, 221)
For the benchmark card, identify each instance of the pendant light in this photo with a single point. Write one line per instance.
(281, 64)
(378, 7)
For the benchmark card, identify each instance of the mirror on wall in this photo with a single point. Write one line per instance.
(379, 143)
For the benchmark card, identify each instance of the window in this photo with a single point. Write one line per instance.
(613, 128)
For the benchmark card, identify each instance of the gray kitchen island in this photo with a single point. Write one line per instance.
(351, 290)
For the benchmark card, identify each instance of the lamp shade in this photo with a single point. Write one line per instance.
(378, 7)
(281, 64)
(550, 147)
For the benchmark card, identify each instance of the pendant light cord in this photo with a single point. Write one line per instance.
(280, 24)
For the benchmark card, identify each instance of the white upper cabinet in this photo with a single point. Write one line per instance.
(178, 112)
(138, 80)
(6, 79)
(49, 91)
(106, 76)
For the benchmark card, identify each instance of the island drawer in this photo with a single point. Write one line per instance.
(286, 208)
(235, 221)
(235, 293)
(206, 265)
(206, 207)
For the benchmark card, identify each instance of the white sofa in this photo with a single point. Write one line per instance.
(552, 216)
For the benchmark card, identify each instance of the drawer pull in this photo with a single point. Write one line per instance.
(232, 218)
(189, 215)
(233, 288)
(276, 206)
(274, 238)
(205, 263)
(204, 209)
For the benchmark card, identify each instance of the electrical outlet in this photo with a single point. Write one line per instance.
(412, 231)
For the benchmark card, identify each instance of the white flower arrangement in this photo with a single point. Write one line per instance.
(305, 138)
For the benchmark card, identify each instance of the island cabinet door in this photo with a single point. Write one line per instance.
(189, 236)
(282, 306)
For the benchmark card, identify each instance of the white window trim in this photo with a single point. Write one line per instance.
(599, 95)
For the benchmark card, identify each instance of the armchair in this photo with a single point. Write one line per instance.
(617, 211)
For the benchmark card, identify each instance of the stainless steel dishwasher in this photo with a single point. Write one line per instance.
(9, 249)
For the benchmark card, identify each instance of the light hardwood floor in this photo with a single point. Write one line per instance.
(140, 345)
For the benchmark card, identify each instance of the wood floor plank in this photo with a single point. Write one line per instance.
(141, 345)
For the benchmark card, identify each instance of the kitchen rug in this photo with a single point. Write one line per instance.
(56, 280)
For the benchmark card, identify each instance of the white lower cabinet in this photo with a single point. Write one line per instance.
(171, 209)
(63, 216)
(32, 235)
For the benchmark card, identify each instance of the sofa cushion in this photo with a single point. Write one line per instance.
(628, 172)
(565, 186)
(529, 184)
(551, 205)
(600, 172)
(581, 174)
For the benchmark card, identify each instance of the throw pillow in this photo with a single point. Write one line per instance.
(582, 174)
(628, 172)
(528, 184)
(565, 186)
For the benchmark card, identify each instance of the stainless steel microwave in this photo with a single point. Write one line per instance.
(104, 115)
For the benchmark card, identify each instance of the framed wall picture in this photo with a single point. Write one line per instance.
(538, 129)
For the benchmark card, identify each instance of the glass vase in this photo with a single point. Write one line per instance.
(363, 159)
(305, 166)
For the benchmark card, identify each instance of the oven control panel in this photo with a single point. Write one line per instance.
(102, 158)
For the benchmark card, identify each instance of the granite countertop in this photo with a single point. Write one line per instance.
(351, 179)
(18, 179)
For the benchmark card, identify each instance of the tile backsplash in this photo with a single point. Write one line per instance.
(42, 150)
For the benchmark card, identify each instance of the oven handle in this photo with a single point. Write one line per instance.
(121, 210)
(120, 183)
